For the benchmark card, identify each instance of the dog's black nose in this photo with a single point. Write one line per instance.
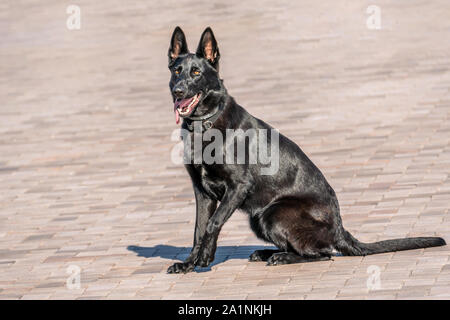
(178, 92)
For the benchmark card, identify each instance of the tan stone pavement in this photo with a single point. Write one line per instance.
(86, 178)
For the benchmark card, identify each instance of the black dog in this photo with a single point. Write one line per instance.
(294, 208)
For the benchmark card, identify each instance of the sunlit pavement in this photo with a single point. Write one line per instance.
(88, 190)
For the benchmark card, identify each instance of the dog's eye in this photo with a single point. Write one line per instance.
(195, 72)
(177, 71)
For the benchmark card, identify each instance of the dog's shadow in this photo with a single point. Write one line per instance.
(223, 253)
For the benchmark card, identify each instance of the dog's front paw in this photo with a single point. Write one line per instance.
(205, 259)
(180, 267)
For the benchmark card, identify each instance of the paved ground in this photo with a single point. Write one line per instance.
(86, 180)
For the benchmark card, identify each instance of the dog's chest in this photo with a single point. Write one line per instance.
(211, 182)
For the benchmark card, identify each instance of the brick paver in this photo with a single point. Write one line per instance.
(86, 121)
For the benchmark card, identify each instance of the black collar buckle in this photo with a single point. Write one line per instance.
(207, 124)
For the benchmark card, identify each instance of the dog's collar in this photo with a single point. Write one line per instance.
(206, 119)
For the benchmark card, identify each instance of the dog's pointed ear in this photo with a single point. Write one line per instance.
(207, 48)
(178, 44)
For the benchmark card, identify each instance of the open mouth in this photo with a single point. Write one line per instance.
(185, 107)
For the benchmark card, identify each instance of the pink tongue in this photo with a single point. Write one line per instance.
(177, 116)
(183, 103)
(180, 104)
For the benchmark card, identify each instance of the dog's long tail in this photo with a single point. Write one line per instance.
(350, 246)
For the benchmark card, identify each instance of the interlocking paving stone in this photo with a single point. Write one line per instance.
(86, 124)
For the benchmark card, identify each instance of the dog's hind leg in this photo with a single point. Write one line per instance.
(291, 257)
(262, 255)
(301, 228)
